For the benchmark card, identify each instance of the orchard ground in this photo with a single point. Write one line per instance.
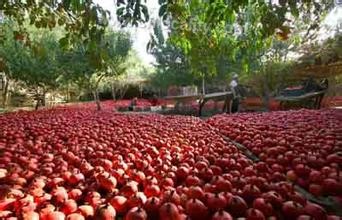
(74, 162)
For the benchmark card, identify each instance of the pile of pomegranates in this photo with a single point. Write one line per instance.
(110, 105)
(125, 103)
(74, 163)
(304, 145)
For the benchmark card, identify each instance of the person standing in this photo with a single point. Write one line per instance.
(154, 101)
(236, 94)
(133, 104)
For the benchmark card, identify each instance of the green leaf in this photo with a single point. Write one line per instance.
(43, 23)
(61, 21)
(293, 8)
(295, 12)
(120, 11)
(76, 4)
(66, 4)
(64, 42)
(144, 10)
(37, 24)
(32, 19)
(162, 10)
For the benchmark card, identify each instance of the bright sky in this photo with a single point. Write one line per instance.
(332, 23)
(141, 34)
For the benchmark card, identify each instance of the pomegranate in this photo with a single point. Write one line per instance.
(196, 209)
(254, 214)
(292, 209)
(222, 215)
(119, 203)
(237, 206)
(169, 211)
(105, 212)
(136, 213)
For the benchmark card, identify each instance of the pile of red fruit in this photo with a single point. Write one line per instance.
(304, 145)
(109, 105)
(141, 104)
(75, 164)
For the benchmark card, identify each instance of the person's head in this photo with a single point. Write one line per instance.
(235, 76)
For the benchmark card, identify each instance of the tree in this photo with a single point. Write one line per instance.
(134, 11)
(42, 64)
(81, 19)
(204, 25)
(273, 63)
(35, 66)
(132, 72)
(85, 19)
(9, 52)
(237, 31)
(172, 66)
(80, 65)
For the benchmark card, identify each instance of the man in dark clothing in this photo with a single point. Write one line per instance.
(234, 87)
(133, 104)
(154, 101)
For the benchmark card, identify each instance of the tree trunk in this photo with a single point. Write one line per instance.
(265, 101)
(96, 93)
(123, 91)
(203, 85)
(68, 93)
(266, 94)
(5, 93)
(141, 91)
(43, 98)
(37, 102)
(97, 100)
(113, 92)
